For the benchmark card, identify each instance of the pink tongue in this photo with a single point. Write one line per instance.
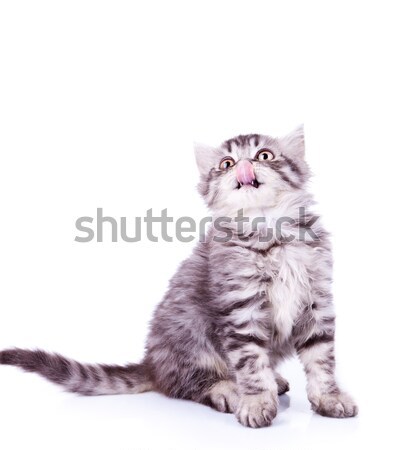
(245, 172)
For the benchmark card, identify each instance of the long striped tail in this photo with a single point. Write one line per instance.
(84, 379)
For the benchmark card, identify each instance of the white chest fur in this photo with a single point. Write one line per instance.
(289, 291)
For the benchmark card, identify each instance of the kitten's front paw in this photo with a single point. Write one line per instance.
(257, 411)
(335, 405)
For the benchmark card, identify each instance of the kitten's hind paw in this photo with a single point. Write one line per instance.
(335, 405)
(282, 384)
(223, 396)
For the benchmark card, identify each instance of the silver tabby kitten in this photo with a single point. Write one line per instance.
(237, 306)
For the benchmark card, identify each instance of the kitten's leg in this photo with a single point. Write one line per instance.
(282, 384)
(317, 356)
(255, 379)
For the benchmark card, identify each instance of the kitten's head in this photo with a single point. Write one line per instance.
(252, 172)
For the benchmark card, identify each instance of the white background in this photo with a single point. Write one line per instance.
(99, 105)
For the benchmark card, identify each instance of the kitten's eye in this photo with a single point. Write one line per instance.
(264, 155)
(226, 163)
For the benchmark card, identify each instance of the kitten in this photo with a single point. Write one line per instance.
(237, 306)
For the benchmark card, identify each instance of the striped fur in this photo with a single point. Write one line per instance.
(84, 379)
(236, 308)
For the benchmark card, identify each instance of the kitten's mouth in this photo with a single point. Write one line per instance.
(253, 183)
(245, 174)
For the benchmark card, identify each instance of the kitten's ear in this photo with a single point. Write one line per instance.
(293, 143)
(205, 157)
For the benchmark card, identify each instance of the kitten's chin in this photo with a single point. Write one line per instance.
(247, 198)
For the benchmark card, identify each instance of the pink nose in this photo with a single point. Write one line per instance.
(245, 172)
